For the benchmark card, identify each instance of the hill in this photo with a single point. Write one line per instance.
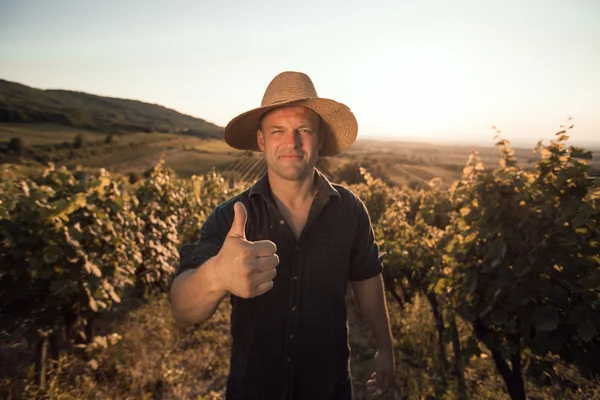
(23, 104)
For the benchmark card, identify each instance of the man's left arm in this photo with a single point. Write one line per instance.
(370, 299)
(367, 285)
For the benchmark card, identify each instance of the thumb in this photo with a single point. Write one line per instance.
(240, 216)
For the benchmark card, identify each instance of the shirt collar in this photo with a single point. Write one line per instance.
(324, 187)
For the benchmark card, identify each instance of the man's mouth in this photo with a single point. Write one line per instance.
(290, 156)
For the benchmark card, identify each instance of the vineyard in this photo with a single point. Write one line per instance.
(247, 169)
(506, 263)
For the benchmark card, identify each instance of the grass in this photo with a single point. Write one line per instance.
(160, 359)
(156, 358)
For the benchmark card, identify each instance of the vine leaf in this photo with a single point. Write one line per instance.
(545, 318)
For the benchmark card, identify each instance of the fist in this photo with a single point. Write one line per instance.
(244, 268)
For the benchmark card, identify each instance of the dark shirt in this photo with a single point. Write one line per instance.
(292, 341)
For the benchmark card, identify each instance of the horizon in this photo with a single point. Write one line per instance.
(518, 144)
(428, 71)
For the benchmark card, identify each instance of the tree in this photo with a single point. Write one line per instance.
(526, 246)
(79, 141)
(16, 146)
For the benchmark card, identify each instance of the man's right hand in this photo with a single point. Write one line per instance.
(244, 268)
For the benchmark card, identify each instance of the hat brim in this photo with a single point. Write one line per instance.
(338, 124)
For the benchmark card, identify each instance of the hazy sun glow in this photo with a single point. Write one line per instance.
(425, 99)
(431, 70)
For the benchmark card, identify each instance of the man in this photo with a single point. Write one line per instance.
(284, 251)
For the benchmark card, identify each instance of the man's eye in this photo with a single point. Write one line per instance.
(308, 131)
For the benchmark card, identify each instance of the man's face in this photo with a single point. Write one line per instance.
(290, 138)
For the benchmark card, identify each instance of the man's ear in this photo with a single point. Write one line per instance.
(260, 137)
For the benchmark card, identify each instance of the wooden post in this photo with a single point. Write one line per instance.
(41, 354)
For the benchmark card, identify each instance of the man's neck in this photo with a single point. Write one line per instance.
(293, 193)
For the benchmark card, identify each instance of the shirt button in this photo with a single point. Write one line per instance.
(295, 278)
(294, 308)
(281, 222)
(289, 359)
(291, 336)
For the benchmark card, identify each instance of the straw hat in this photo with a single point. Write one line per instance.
(295, 89)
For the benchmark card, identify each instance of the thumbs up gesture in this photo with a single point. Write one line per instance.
(246, 269)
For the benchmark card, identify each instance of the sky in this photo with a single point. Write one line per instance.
(428, 70)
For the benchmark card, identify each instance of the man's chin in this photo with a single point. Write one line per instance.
(292, 173)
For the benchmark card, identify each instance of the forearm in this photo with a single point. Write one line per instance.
(195, 295)
(372, 306)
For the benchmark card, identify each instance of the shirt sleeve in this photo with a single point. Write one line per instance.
(211, 237)
(366, 261)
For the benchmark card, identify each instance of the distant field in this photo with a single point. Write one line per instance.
(404, 163)
(188, 163)
(180, 155)
(442, 155)
(425, 153)
(133, 152)
(130, 160)
(216, 146)
(36, 134)
(426, 173)
(45, 133)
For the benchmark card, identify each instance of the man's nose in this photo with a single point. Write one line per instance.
(292, 138)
